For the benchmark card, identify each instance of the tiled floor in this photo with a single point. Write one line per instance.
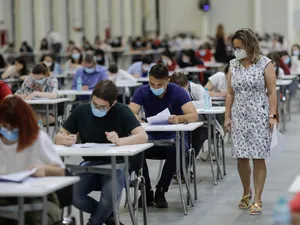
(217, 205)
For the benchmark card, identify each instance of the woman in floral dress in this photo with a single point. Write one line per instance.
(250, 113)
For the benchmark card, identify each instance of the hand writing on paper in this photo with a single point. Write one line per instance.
(173, 119)
(40, 171)
(113, 137)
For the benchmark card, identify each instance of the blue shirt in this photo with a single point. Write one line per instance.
(90, 79)
(136, 68)
(174, 98)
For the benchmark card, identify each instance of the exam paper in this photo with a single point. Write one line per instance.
(17, 177)
(160, 118)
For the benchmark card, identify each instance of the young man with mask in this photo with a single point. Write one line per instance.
(101, 121)
(140, 68)
(155, 97)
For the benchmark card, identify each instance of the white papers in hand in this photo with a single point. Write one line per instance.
(17, 177)
(160, 118)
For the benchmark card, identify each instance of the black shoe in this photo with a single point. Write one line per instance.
(149, 199)
(111, 220)
(160, 199)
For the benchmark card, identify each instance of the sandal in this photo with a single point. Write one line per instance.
(244, 203)
(256, 208)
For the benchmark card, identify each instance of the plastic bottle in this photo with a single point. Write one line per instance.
(207, 100)
(281, 213)
(40, 124)
(79, 84)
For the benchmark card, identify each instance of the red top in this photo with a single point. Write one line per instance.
(207, 58)
(4, 90)
(172, 67)
(285, 68)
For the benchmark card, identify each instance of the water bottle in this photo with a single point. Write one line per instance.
(281, 213)
(40, 124)
(207, 99)
(79, 83)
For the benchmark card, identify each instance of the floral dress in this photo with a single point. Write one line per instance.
(251, 136)
(30, 85)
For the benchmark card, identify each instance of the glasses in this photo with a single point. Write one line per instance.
(100, 107)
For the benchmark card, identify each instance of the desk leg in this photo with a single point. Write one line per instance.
(21, 216)
(47, 118)
(283, 107)
(45, 211)
(217, 155)
(56, 118)
(185, 177)
(124, 95)
(129, 203)
(179, 172)
(114, 188)
(209, 148)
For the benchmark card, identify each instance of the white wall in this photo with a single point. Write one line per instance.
(233, 14)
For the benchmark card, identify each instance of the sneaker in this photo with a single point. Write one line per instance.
(160, 199)
(149, 199)
(204, 156)
(111, 220)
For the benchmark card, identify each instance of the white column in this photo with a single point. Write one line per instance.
(290, 34)
(257, 16)
(60, 19)
(75, 21)
(150, 16)
(137, 17)
(90, 12)
(23, 22)
(115, 22)
(127, 18)
(6, 18)
(104, 17)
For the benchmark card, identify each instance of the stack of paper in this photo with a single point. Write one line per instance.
(160, 118)
(17, 177)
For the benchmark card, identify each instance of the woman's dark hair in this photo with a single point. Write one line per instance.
(106, 90)
(192, 55)
(44, 44)
(168, 54)
(22, 61)
(41, 68)
(113, 68)
(146, 60)
(226, 69)
(80, 58)
(159, 71)
(18, 114)
(2, 62)
(283, 53)
(51, 68)
(179, 78)
(275, 57)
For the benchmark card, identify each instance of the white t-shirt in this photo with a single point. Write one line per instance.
(123, 76)
(41, 152)
(197, 95)
(219, 82)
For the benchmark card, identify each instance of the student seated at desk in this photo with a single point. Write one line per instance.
(39, 85)
(118, 75)
(217, 83)
(188, 59)
(275, 57)
(101, 121)
(91, 74)
(155, 97)
(4, 90)
(23, 146)
(168, 59)
(204, 53)
(17, 70)
(295, 55)
(54, 67)
(74, 62)
(140, 68)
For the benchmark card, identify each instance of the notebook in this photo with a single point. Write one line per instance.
(17, 177)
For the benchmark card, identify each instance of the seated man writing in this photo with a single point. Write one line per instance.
(101, 121)
(155, 97)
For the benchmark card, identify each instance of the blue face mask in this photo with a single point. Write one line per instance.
(157, 92)
(75, 55)
(98, 112)
(287, 60)
(89, 70)
(41, 81)
(202, 52)
(10, 135)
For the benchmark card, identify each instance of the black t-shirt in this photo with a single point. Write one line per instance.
(92, 129)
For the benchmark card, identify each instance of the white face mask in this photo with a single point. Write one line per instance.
(240, 54)
(48, 63)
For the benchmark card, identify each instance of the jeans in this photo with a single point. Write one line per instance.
(89, 182)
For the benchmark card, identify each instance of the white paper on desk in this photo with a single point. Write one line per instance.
(93, 145)
(17, 177)
(37, 98)
(160, 118)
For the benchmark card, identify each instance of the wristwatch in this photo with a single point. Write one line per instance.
(273, 116)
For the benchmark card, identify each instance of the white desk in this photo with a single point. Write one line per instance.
(213, 64)
(125, 85)
(211, 121)
(180, 130)
(32, 187)
(295, 187)
(142, 79)
(48, 102)
(295, 72)
(283, 82)
(288, 77)
(73, 92)
(112, 151)
(191, 70)
(218, 98)
(12, 80)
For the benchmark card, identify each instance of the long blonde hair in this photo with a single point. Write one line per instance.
(248, 37)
